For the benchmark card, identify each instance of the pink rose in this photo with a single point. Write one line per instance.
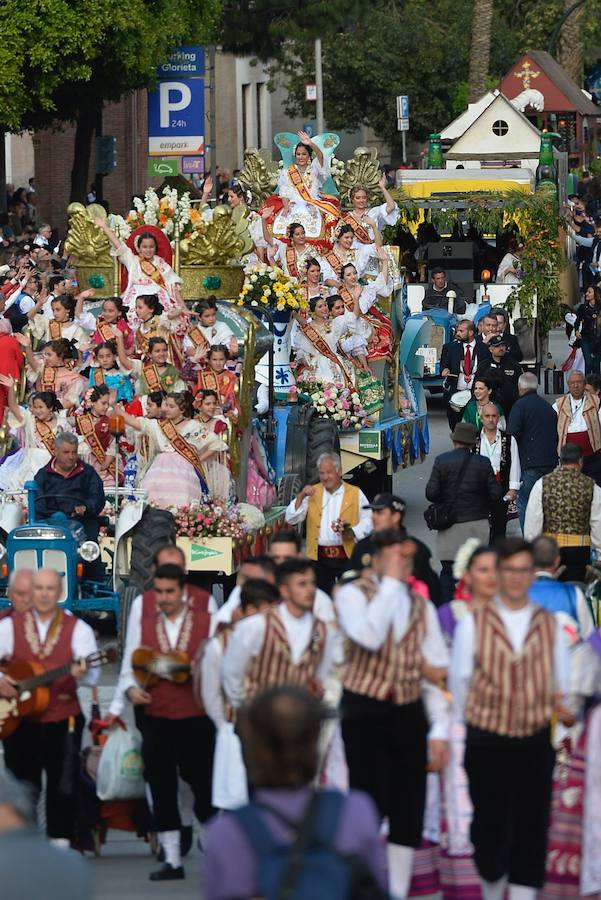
(346, 404)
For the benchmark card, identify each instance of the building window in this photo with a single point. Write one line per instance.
(500, 127)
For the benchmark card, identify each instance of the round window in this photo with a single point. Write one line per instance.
(500, 127)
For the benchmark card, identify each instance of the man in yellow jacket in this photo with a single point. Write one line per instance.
(337, 517)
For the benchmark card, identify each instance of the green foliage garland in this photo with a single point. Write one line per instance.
(536, 220)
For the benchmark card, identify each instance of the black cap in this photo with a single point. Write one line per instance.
(497, 340)
(387, 501)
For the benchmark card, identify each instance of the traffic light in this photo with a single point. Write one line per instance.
(106, 154)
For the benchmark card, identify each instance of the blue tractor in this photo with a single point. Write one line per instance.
(57, 545)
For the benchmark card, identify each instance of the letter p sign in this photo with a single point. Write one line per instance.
(174, 96)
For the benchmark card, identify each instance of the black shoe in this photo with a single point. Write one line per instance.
(186, 833)
(168, 873)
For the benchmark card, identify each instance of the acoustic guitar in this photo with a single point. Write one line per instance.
(31, 681)
(150, 666)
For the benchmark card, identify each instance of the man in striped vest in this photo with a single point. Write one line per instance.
(509, 672)
(388, 734)
(285, 645)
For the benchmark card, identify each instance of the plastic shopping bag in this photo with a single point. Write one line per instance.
(120, 769)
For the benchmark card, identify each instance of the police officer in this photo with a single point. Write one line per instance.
(503, 370)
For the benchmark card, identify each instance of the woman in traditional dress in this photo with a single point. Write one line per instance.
(238, 200)
(299, 188)
(315, 343)
(35, 428)
(382, 336)
(154, 372)
(145, 269)
(217, 468)
(293, 253)
(107, 371)
(152, 321)
(98, 445)
(62, 325)
(367, 224)
(216, 378)
(313, 285)
(178, 445)
(343, 253)
(56, 370)
(483, 391)
(110, 319)
(354, 342)
(510, 268)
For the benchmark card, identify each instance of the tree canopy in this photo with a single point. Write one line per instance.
(61, 55)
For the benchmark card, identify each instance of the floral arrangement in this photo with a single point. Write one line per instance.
(208, 519)
(171, 213)
(338, 168)
(337, 402)
(272, 288)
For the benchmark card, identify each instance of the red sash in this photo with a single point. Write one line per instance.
(54, 330)
(323, 348)
(334, 262)
(152, 272)
(382, 338)
(291, 262)
(181, 445)
(46, 435)
(198, 338)
(360, 232)
(151, 377)
(48, 378)
(105, 330)
(326, 204)
(86, 427)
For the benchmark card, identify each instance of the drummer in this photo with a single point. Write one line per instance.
(458, 363)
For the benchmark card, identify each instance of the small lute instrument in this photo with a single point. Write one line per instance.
(150, 666)
(31, 682)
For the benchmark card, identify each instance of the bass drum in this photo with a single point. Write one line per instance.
(459, 400)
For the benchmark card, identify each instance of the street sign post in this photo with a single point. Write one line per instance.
(193, 165)
(402, 112)
(184, 62)
(176, 118)
(162, 168)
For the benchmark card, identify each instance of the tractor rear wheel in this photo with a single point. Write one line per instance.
(155, 529)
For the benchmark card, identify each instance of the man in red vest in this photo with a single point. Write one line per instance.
(178, 738)
(53, 637)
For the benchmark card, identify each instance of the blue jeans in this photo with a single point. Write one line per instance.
(529, 479)
(592, 358)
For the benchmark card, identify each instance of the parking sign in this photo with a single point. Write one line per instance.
(176, 118)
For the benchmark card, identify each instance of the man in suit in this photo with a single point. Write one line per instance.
(591, 253)
(466, 481)
(459, 361)
(436, 293)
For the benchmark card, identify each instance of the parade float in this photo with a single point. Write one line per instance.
(209, 248)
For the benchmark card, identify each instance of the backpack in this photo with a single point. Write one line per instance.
(309, 868)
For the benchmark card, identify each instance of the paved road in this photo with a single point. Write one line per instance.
(121, 871)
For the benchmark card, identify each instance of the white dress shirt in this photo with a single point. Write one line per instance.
(133, 640)
(323, 608)
(517, 623)
(533, 523)
(577, 420)
(462, 383)
(83, 643)
(368, 622)
(330, 511)
(492, 451)
(247, 639)
(210, 681)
